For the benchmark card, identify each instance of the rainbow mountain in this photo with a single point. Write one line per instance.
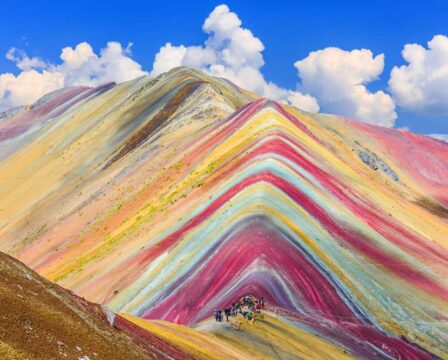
(165, 198)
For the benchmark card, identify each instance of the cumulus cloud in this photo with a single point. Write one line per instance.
(233, 52)
(23, 62)
(422, 84)
(79, 66)
(338, 79)
(27, 87)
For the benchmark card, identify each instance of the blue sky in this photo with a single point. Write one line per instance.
(289, 30)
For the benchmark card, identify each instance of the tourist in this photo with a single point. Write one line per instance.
(248, 306)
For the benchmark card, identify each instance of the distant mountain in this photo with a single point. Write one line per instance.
(166, 198)
(443, 137)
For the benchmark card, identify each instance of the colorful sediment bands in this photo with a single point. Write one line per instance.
(268, 338)
(167, 198)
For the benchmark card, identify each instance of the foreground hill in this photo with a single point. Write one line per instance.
(40, 320)
(167, 198)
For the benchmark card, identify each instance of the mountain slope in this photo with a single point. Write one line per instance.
(166, 198)
(268, 338)
(40, 320)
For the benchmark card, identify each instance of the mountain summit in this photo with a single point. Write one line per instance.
(166, 198)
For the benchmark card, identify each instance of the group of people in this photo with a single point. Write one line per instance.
(248, 306)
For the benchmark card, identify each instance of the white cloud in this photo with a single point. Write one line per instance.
(168, 57)
(79, 66)
(422, 84)
(23, 62)
(233, 52)
(338, 79)
(27, 87)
